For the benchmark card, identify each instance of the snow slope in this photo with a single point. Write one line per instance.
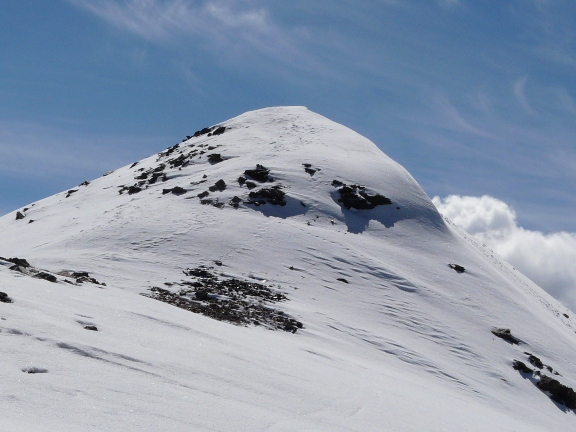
(402, 342)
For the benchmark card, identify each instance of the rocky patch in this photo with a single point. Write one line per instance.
(356, 197)
(20, 215)
(231, 300)
(70, 192)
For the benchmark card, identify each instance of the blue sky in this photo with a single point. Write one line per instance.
(471, 97)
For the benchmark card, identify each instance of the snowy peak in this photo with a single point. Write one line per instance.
(278, 219)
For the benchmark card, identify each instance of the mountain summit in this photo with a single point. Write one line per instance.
(275, 272)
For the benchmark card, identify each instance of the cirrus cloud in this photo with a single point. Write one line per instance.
(547, 259)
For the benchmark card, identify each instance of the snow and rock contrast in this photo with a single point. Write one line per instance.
(274, 272)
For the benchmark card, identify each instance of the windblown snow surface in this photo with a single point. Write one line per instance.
(392, 337)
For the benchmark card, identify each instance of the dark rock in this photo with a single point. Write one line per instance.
(521, 366)
(310, 171)
(535, 360)
(215, 158)
(219, 130)
(18, 261)
(342, 280)
(30, 221)
(91, 327)
(4, 298)
(220, 185)
(337, 183)
(260, 173)
(241, 180)
(70, 192)
(79, 274)
(558, 392)
(133, 190)
(134, 164)
(86, 183)
(250, 185)
(201, 295)
(19, 216)
(566, 315)
(203, 194)
(457, 267)
(46, 276)
(354, 196)
(504, 333)
(175, 190)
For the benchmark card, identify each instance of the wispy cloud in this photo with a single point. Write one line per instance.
(547, 259)
(161, 21)
(520, 93)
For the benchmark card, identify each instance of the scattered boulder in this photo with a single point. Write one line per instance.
(203, 194)
(356, 197)
(273, 195)
(70, 192)
(4, 298)
(34, 370)
(235, 201)
(19, 215)
(86, 183)
(557, 391)
(308, 168)
(457, 268)
(21, 262)
(342, 280)
(241, 180)
(91, 327)
(175, 190)
(220, 185)
(534, 360)
(506, 334)
(219, 130)
(260, 173)
(250, 184)
(215, 158)
(46, 276)
(521, 367)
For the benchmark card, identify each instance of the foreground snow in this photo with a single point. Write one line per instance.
(401, 342)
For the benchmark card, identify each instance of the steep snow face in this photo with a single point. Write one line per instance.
(385, 335)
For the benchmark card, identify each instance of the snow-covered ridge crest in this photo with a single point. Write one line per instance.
(276, 219)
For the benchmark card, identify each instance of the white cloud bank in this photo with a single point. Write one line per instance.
(547, 259)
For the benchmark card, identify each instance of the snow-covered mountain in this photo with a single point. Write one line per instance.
(274, 272)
